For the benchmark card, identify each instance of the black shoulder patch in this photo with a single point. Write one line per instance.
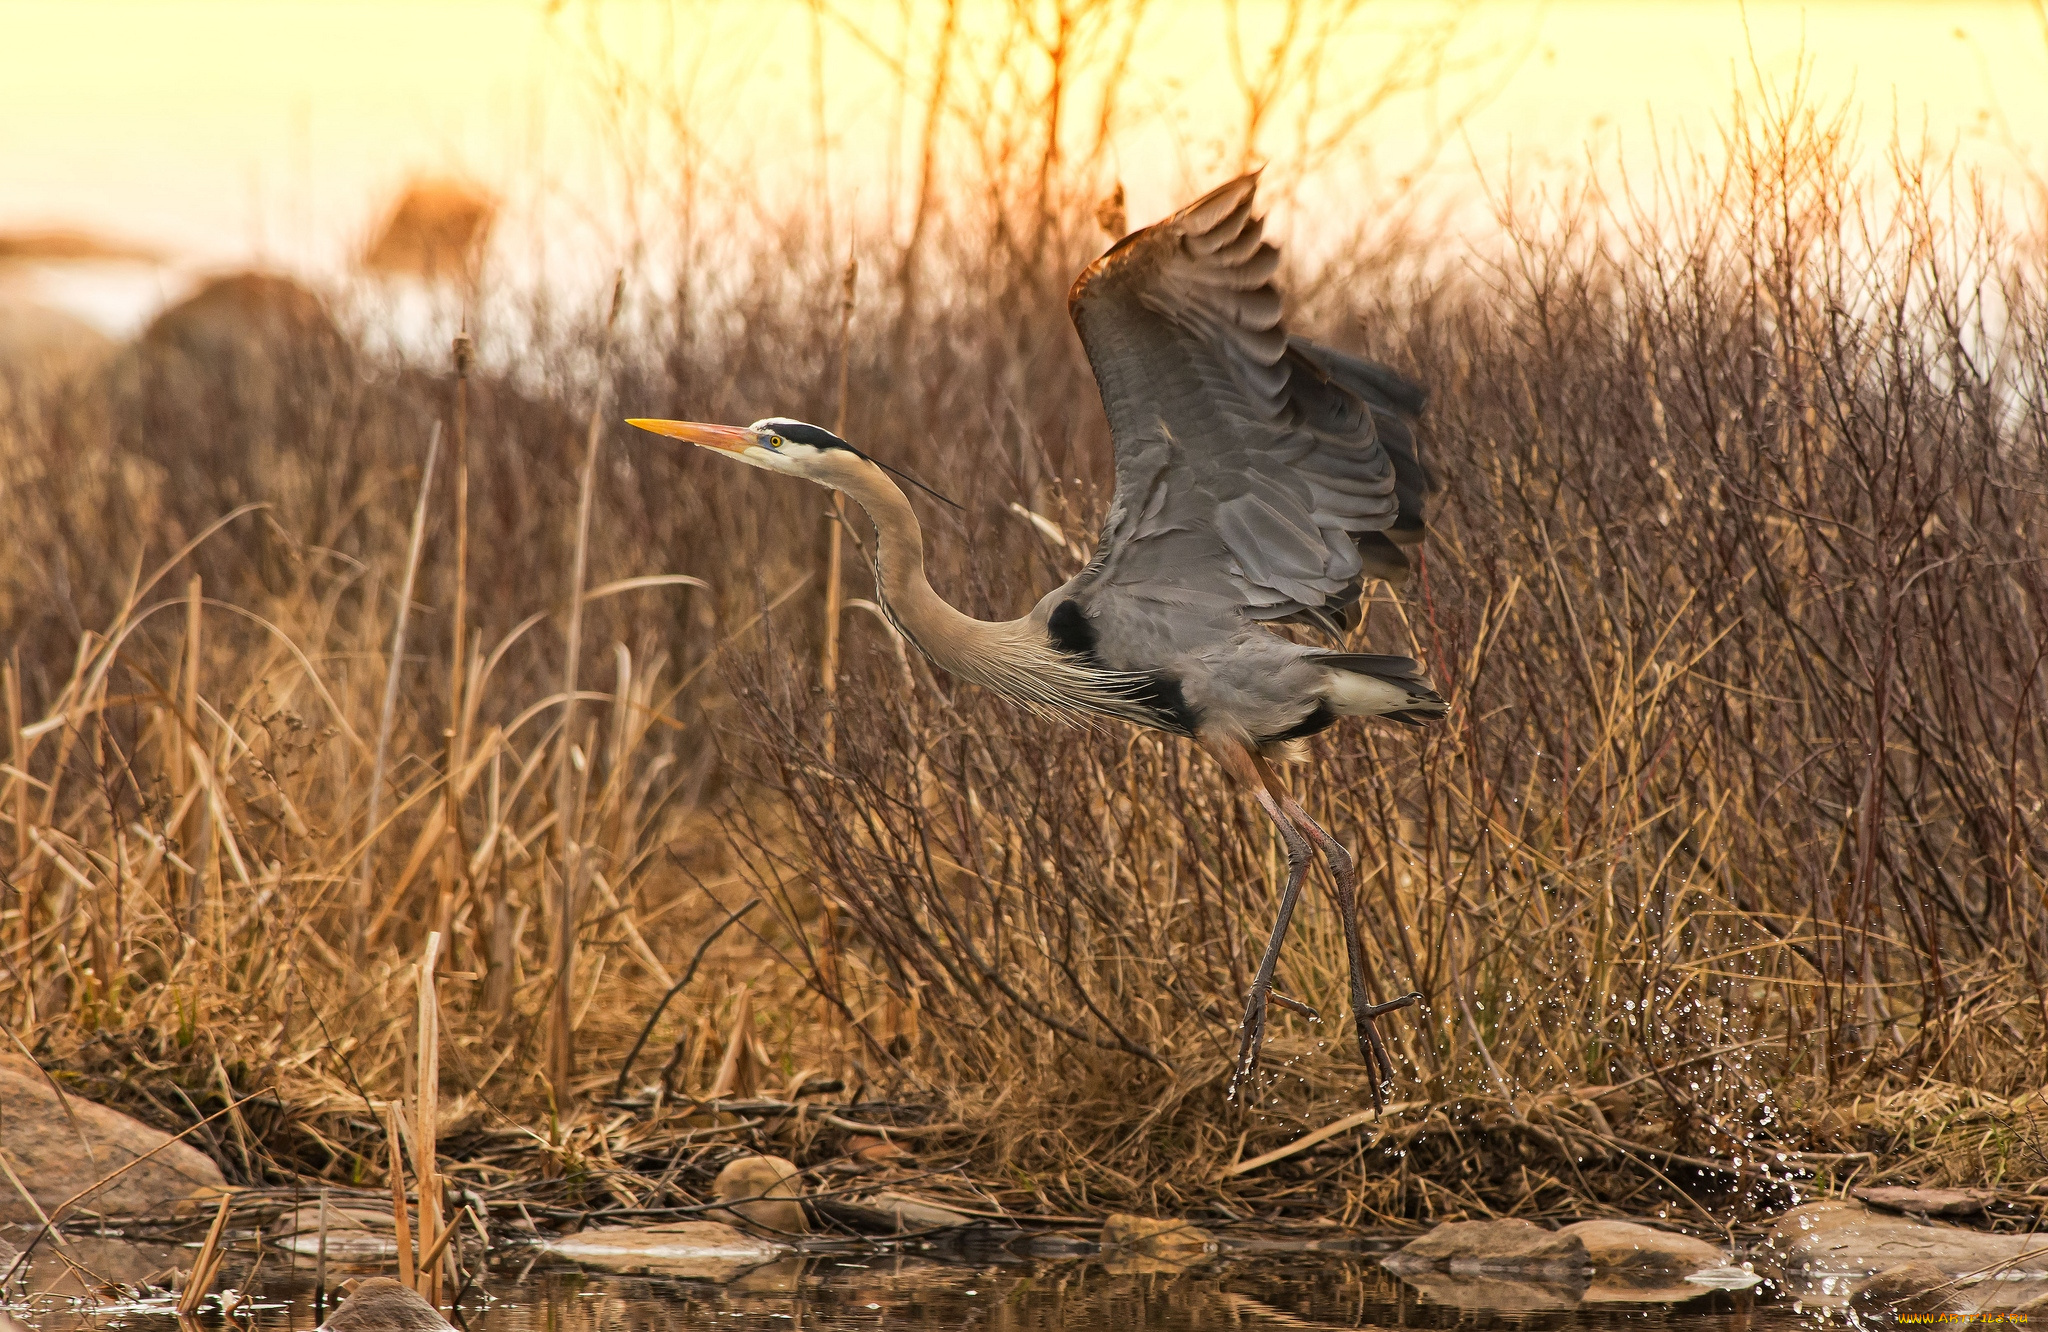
(1162, 694)
(1319, 719)
(1069, 630)
(1159, 693)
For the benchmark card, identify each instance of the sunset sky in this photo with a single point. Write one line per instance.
(223, 132)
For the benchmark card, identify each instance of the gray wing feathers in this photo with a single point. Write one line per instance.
(1252, 467)
(1394, 403)
(1216, 285)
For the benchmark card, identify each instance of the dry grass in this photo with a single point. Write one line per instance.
(1735, 588)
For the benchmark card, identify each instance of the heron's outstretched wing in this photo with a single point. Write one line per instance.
(1251, 466)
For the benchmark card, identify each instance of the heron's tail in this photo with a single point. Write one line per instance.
(1370, 684)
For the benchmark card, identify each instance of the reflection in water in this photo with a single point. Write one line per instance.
(987, 1286)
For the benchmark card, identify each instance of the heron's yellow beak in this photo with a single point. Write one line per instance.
(729, 439)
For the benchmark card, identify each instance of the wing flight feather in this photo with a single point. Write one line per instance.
(1253, 468)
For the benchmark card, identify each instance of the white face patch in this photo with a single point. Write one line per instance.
(776, 451)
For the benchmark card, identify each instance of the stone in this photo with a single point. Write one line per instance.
(380, 1304)
(42, 346)
(1729, 1277)
(1626, 1246)
(58, 1155)
(218, 402)
(1492, 1293)
(1136, 1262)
(784, 1276)
(1503, 1245)
(1155, 1238)
(904, 1211)
(1928, 1202)
(1640, 1285)
(764, 1193)
(868, 1151)
(352, 1232)
(436, 232)
(1842, 1236)
(1611, 1100)
(1909, 1288)
(708, 1250)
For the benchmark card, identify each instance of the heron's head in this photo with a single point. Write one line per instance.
(774, 443)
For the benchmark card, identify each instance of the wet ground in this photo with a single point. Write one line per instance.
(1017, 1284)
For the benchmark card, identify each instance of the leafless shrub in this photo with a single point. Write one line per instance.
(1738, 813)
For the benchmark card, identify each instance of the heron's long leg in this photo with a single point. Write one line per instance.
(1379, 1065)
(1253, 1030)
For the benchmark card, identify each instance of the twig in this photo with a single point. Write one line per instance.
(561, 1013)
(206, 1263)
(1323, 1134)
(393, 670)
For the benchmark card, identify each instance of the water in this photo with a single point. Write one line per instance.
(1019, 1285)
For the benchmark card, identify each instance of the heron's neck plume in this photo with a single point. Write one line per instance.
(1012, 657)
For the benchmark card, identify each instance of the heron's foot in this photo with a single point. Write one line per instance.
(1379, 1065)
(1251, 1034)
(1290, 1002)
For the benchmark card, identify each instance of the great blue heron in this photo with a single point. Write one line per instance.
(1260, 479)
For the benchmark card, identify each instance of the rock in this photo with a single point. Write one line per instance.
(1729, 1277)
(1502, 1294)
(436, 232)
(763, 1192)
(1928, 1202)
(352, 1232)
(224, 400)
(1135, 1262)
(1841, 1236)
(903, 1211)
(784, 1276)
(708, 1250)
(1155, 1238)
(868, 1151)
(1612, 1101)
(1556, 1288)
(1626, 1246)
(2032, 1309)
(239, 315)
(383, 1305)
(65, 245)
(42, 346)
(1479, 1246)
(58, 1155)
(1909, 1288)
(1640, 1285)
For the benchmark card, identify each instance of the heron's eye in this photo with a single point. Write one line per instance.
(774, 441)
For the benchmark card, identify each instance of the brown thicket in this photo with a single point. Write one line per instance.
(1734, 583)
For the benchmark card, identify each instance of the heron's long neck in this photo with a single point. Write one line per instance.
(1014, 658)
(962, 644)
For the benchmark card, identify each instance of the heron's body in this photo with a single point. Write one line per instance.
(1177, 662)
(1260, 479)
